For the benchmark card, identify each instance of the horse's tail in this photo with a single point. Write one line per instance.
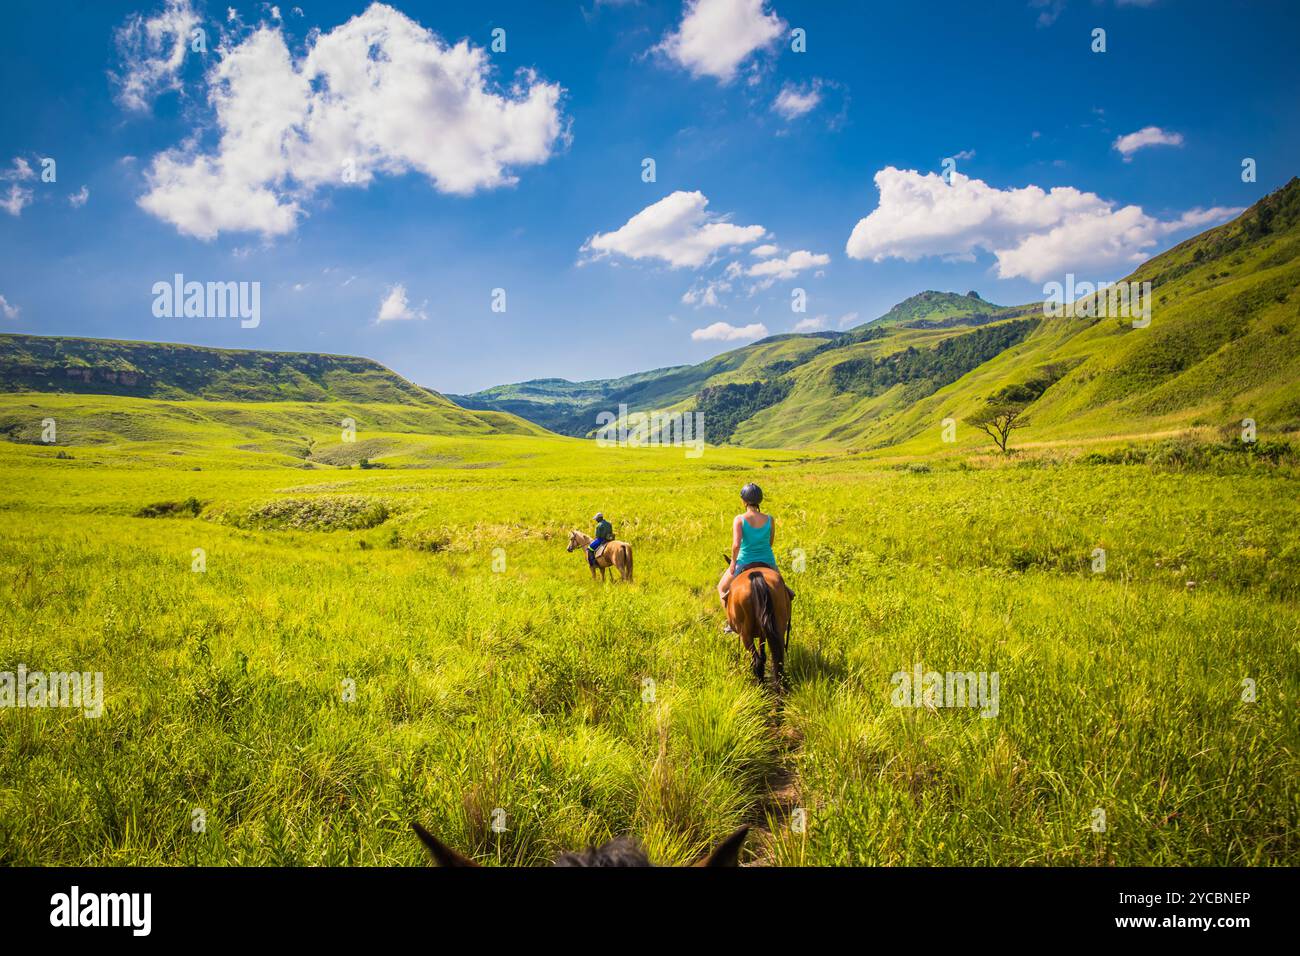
(627, 550)
(761, 606)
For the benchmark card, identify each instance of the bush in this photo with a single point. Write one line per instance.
(323, 513)
(189, 508)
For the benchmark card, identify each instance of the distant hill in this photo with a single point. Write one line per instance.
(1222, 346)
(570, 408)
(939, 309)
(142, 391)
(33, 363)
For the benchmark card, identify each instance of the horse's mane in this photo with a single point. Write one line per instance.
(620, 851)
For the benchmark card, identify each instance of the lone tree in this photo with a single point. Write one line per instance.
(997, 420)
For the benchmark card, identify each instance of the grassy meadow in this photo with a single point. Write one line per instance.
(367, 647)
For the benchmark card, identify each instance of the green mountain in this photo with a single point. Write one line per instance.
(32, 363)
(938, 310)
(1221, 346)
(185, 396)
(734, 382)
(570, 408)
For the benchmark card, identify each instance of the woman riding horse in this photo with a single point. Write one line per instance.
(752, 591)
(752, 536)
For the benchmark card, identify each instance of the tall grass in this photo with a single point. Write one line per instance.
(524, 689)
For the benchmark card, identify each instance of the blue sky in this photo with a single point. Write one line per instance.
(395, 166)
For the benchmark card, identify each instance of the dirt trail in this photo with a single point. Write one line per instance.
(781, 788)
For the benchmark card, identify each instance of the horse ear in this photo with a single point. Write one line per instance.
(727, 852)
(726, 558)
(443, 854)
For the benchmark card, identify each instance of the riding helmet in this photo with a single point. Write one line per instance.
(751, 494)
(600, 516)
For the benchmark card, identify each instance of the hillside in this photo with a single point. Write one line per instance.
(187, 397)
(938, 310)
(1222, 346)
(33, 363)
(570, 408)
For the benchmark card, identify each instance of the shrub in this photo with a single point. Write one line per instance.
(189, 508)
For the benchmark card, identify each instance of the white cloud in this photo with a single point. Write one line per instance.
(1032, 233)
(1051, 10)
(395, 308)
(725, 332)
(377, 95)
(816, 323)
(716, 36)
(1147, 136)
(847, 319)
(964, 154)
(794, 101)
(677, 230)
(18, 198)
(790, 266)
(78, 199)
(706, 294)
(22, 171)
(10, 311)
(153, 52)
(765, 250)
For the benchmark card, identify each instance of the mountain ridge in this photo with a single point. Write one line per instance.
(1224, 346)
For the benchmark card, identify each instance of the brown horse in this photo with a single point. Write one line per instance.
(620, 851)
(616, 554)
(758, 609)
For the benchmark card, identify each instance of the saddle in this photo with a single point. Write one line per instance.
(762, 564)
(600, 550)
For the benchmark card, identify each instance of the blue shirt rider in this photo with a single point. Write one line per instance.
(604, 534)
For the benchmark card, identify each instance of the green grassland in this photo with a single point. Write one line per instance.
(489, 671)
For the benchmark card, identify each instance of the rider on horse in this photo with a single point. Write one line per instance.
(604, 533)
(752, 536)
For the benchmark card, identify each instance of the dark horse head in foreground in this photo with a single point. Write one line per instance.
(620, 851)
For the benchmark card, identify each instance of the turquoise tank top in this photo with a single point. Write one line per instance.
(755, 544)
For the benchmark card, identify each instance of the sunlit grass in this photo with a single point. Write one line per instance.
(523, 689)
